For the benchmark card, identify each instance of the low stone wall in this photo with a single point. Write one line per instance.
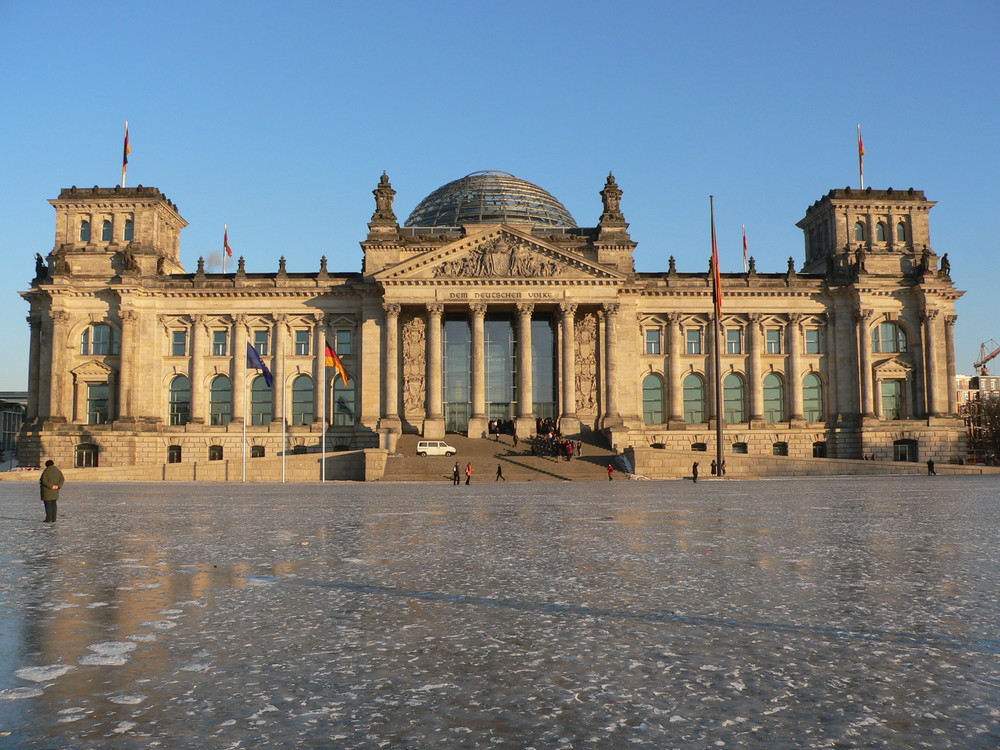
(657, 463)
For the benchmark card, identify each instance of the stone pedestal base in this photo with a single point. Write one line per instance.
(478, 427)
(433, 428)
(569, 425)
(525, 427)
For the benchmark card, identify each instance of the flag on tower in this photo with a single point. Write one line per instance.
(126, 150)
(332, 360)
(225, 240)
(861, 157)
(744, 248)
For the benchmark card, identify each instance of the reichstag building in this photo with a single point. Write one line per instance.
(488, 303)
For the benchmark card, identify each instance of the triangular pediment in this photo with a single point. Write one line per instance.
(497, 253)
(92, 370)
(892, 369)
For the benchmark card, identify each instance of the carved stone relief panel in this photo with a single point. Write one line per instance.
(586, 364)
(414, 367)
(501, 257)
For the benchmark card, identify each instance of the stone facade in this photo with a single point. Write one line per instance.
(136, 361)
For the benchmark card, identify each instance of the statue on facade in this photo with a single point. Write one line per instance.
(945, 265)
(383, 200)
(41, 269)
(129, 263)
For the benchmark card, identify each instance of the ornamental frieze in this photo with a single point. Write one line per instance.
(499, 258)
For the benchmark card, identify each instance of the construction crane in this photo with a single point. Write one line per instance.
(987, 351)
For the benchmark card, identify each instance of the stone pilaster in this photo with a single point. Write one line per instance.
(755, 375)
(864, 344)
(34, 366)
(933, 379)
(675, 387)
(794, 373)
(197, 371)
(949, 341)
(569, 422)
(130, 345)
(390, 395)
(278, 367)
(525, 424)
(434, 421)
(319, 369)
(239, 367)
(612, 411)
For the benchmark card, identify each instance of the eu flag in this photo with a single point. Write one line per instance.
(254, 361)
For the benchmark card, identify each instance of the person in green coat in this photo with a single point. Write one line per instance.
(50, 483)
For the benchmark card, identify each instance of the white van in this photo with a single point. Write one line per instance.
(434, 448)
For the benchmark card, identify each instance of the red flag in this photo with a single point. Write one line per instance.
(861, 158)
(332, 360)
(225, 240)
(716, 276)
(744, 247)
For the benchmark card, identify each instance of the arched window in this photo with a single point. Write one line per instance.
(173, 454)
(221, 400)
(880, 234)
(303, 403)
(901, 232)
(215, 453)
(84, 231)
(128, 233)
(774, 398)
(180, 400)
(107, 231)
(812, 398)
(694, 399)
(652, 399)
(256, 451)
(859, 232)
(888, 337)
(86, 456)
(99, 339)
(734, 398)
(261, 401)
(343, 403)
(779, 449)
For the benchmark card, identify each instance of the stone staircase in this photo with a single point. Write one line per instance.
(485, 454)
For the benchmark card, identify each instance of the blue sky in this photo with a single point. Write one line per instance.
(280, 119)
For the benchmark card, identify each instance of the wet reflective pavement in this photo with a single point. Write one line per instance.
(829, 613)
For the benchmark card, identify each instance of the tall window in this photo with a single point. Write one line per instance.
(888, 337)
(220, 343)
(128, 234)
(107, 231)
(180, 400)
(178, 343)
(344, 342)
(692, 337)
(901, 232)
(859, 232)
(261, 340)
(84, 231)
(734, 398)
(652, 399)
(302, 338)
(734, 341)
(261, 401)
(694, 399)
(774, 398)
(221, 396)
(652, 341)
(303, 403)
(813, 341)
(812, 398)
(97, 403)
(881, 235)
(99, 339)
(343, 403)
(892, 399)
(772, 340)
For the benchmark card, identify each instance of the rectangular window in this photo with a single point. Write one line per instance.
(261, 339)
(693, 340)
(343, 339)
(652, 341)
(220, 340)
(98, 395)
(813, 345)
(734, 341)
(773, 340)
(302, 343)
(178, 343)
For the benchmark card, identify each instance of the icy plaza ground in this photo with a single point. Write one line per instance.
(855, 612)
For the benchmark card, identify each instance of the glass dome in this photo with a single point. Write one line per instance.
(489, 198)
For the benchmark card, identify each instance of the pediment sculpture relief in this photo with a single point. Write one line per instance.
(501, 258)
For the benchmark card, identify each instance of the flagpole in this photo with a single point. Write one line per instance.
(323, 416)
(244, 426)
(225, 245)
(125, 152)
(716, 345)
(745, 269)
(861, 158)
(284, 421)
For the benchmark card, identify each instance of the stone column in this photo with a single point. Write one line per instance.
(675, 386)
(525, 424)
(611, 374)
(34, 366)
(754, 374)
(949, 342)
(128, 358)
(53, 391)
(320, 400)
(794, 373)
(932, 378)
(568, 365)
(714, 409)
(478, 313)
(831, 405)
(239, 365)
(390, 395)
(278, 367)
(863, 320)
(434, 420)
(197, 371)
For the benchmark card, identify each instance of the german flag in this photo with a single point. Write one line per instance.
(332, 360)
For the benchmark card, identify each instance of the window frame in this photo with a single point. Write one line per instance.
(653, 399)
(344, 341)
(773, 341)
(777, 404)
(814, 346)
(179, 337)
(262, 341)
(303, 407)
(694, 340)
(734, 340)
(303, 342)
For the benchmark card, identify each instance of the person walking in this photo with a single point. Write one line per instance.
(468, 472)
(611, 473)
(50, 482)
(694, 471)
(500, 474)
(930, 468)
(455, 474)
